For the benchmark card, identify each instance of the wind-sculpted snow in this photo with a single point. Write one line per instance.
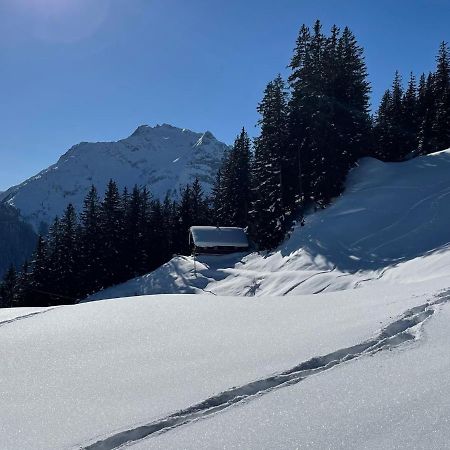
(163, 158)
(393, 335)
(390, 226)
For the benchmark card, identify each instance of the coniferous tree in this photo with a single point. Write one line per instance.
(397, 151)
(39, 282)
(161, 236)
(169, 225)
(133, 250)
(146, 232)
(199, 205)
(90, 245)
(410, 122)
(68, 279)
(234, 188)
(8, 288)
(316, 107)
(111, 234)
(351, 104)
(217, 196)
(427, 113)
(389, 124)
(55, 259)
(23, 293)
(382, 127)
(329, 122)
(297, 177)
(268, 212)
(441, 124)
(185, 220)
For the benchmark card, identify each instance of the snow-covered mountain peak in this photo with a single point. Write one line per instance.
(205, 139)
(162, 157)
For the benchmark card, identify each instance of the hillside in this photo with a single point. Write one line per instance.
(163, 158)
(389, 226)
(17, 239)
(263, 366)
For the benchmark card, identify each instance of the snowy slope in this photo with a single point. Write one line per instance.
(162, 158)
(17, 239)
(392, 400)
(347, 368)
(98, 372)
(392, 223)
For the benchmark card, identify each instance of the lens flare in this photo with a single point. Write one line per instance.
(63, 20)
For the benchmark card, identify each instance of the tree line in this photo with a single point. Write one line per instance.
(416, 120)
(122, 236)
(314, 126)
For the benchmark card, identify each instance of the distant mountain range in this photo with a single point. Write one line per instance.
(162, 158)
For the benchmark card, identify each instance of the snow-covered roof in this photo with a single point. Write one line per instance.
(219, 237)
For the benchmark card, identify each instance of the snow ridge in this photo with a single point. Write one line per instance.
(405, 329)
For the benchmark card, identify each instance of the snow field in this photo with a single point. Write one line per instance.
(89, 371)
(391, 400)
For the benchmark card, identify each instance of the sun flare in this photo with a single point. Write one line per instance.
(63, 20)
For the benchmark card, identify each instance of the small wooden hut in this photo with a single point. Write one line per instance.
(217, 240)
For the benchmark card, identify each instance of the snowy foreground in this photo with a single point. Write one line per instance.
(257, 361)
(343, 369)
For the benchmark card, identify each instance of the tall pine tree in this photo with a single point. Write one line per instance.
(268, 213)
(234, 189)
(441, 124)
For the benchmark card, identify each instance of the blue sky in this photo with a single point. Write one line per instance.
(90, 70)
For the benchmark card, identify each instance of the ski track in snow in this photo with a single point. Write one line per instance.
(26, 316)
(295, 286)
(404, 329)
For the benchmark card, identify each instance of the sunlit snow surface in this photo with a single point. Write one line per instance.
(75, 375)
(392, 400)
(391, 225)
(362, 368)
